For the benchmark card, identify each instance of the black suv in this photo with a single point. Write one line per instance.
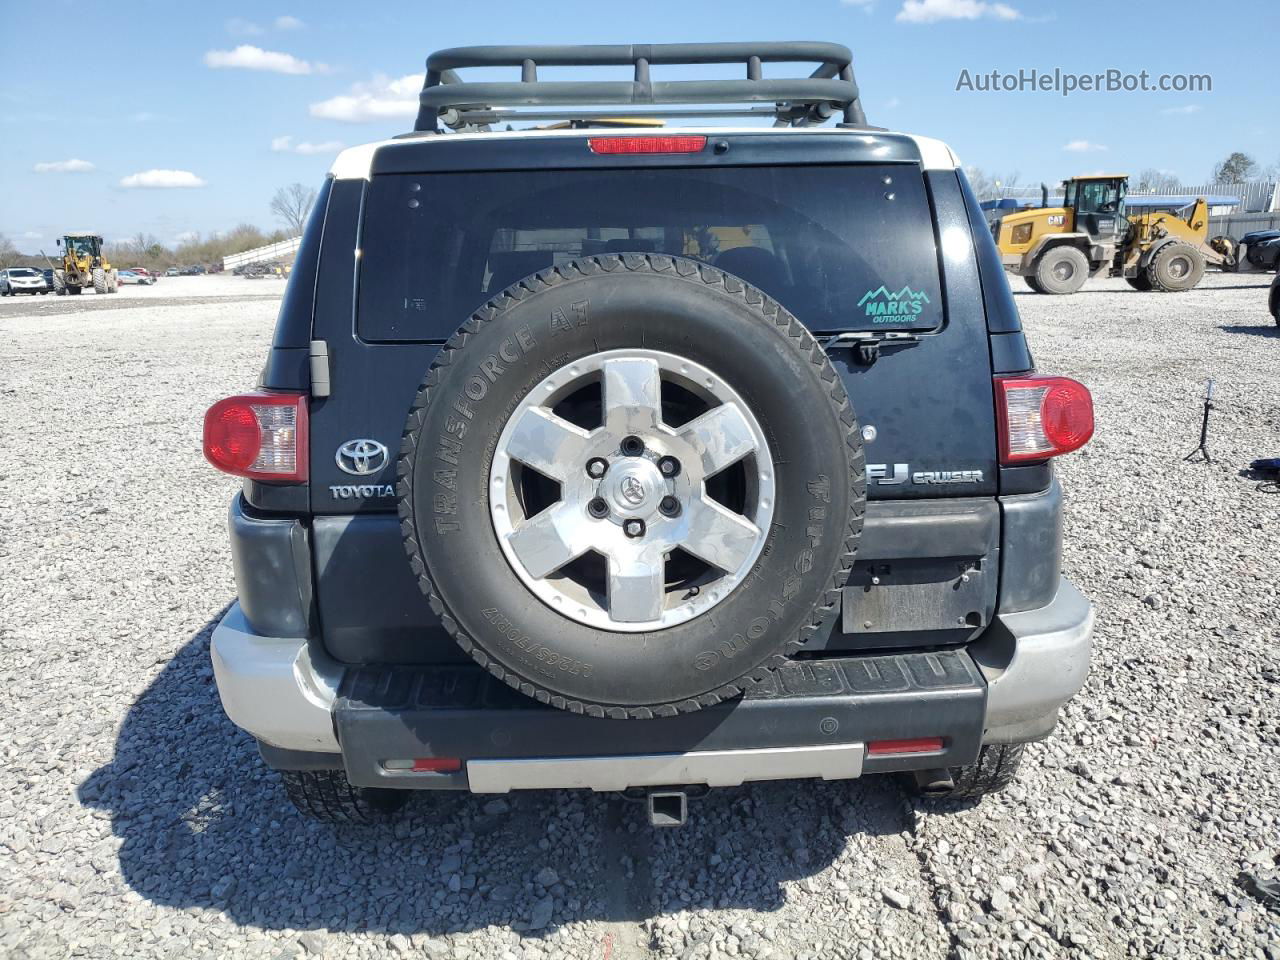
(632, 457)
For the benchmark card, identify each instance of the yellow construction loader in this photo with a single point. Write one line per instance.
(82, 264)
(1055, 249)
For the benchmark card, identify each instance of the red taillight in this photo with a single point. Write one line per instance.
(423, 765)
(888, 748)
(1042, 417)
(663, 144)
(259, 435)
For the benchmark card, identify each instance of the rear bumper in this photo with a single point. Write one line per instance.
(813, 720)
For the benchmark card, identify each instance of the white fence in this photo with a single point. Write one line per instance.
(272, 251)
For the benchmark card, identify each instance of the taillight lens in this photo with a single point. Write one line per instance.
(259, 435)
(662, 144)
(1042, 417)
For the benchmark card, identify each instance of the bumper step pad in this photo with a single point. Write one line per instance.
(402, 713)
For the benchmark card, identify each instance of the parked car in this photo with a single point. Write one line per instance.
(1274, 299)
(1262, 249)
(647, 467)
(172, 272)
(143, 271)
(132, 276)
(15, 280)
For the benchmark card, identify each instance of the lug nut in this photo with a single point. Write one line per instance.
(633, 528)
(670, 507)
(598, 508)
(596, 467)
(632, 446)
(669, 466)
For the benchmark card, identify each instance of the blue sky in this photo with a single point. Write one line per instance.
(197, 100)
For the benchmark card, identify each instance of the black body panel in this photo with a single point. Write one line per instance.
(469, 154)
(391, 714)
(931, 401)
(372, 611)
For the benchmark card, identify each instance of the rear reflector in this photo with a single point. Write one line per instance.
(259, 435)
(424, 765)
(662, 144)
(1042, 417)
(890, 748)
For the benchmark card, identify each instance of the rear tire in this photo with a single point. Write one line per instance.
(1140, 282)
(1034, 284)
(73, 290)
(327, 796)
(1061, 270)
(995, 768)
(113, 282)
(99, 280)
(59, 283)
(1175, 268)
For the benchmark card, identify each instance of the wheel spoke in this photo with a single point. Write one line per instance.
(719, 536)
(546, 543)
(547, 443)
(722, 436)
(632, 395)
(636, 588)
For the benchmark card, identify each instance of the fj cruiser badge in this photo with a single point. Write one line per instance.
(890, 474)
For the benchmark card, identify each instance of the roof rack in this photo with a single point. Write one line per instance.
(792, 101)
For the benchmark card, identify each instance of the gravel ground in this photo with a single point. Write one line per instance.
(135, 820)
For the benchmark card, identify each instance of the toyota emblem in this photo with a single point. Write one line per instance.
(361, 457)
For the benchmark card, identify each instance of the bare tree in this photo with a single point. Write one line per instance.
(990, 187)
(1237, 168)
(292, 204)
(1156, 181)
(7, 250)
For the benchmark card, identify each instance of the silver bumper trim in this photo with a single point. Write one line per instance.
(276, 688)
(1050, 661)
(715, 768)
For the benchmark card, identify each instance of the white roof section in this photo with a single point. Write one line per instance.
(355, 163)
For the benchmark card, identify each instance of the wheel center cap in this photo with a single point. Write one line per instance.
(633, 488)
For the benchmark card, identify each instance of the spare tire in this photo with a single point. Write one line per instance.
(631, 485)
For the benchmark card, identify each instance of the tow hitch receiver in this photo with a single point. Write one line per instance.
(668, 808)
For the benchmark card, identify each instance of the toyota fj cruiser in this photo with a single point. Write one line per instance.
(646, 458)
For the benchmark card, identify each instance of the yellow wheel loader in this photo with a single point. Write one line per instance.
(83, 265)
(1056, 249)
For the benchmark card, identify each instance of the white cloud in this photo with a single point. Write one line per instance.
(286, 145)
(248, 57)
(162, 179)
(288, 23)
(64, 166)
(1082, 146)
(238, 27)
(931, 11)
(30, 235)
(865, 5)
(382, 98)
(1188, 108)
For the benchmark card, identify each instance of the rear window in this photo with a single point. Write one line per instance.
(842, 247)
